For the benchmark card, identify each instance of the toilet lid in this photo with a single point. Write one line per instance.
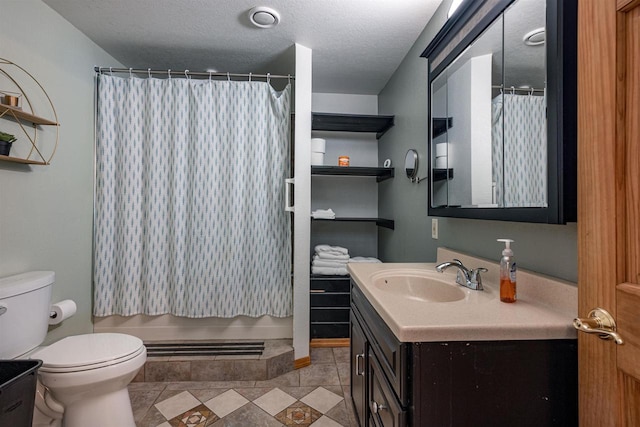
(86, 351)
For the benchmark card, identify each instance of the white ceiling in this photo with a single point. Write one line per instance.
(357, 44)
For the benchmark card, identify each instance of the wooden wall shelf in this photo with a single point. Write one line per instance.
(352, 123)
(381, 174)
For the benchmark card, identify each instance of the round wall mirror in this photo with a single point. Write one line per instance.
(411, 164)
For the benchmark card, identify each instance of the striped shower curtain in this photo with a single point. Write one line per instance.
(519, 150)
(189, 198)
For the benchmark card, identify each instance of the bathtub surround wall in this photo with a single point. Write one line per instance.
(46, 211)
(548, 249)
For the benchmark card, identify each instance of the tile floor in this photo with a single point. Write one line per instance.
(315, 395)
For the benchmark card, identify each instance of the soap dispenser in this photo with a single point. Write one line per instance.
(507, 273)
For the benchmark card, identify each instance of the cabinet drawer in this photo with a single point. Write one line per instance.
(330, 300)
(329, 330)
(383, 405)
(330, 284)
(330, 314)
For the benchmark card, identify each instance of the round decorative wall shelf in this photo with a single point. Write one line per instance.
(20, 95)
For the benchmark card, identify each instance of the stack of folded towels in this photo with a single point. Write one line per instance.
(330, 260)
(324, 214)
(333, 260)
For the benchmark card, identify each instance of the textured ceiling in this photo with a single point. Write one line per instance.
(357, 44)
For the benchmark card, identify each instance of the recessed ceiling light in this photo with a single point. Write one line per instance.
(264, 17)
(535, 37)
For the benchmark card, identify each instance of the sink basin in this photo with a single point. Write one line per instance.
(418, 285)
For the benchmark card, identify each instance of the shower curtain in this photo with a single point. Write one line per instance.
(519, 145)
(189, 216)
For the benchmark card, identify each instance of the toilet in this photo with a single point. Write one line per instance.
(83, 378)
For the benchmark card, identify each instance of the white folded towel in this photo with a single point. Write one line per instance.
(332, 256)
(323, 214)
(327, 248)
(328, 271)
(328, 263)
(364, 259)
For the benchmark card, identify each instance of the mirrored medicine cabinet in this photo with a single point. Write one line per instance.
(502, 140)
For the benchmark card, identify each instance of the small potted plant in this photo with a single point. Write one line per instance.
(6, 139)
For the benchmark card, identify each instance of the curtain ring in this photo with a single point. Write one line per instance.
(210, 76)
(130, 75)
(249, 76)
(111, 71)
(228, 76)
(268, 77)
(289, 78)
(186, 74)
(149, 71)
(513, 90)
(169, 73)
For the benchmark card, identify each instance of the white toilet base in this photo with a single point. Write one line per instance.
(106, 410)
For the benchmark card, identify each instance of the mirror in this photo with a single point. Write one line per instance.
(411, 164)
(502, 134)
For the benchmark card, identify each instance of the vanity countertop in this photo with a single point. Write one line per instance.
(545, 308)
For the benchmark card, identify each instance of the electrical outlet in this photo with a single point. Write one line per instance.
(434, 228)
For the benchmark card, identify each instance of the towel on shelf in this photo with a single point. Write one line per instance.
(323, 214)
(328, 248)
(328, 263)
(332, 256)
(329, 271)
(364, 259)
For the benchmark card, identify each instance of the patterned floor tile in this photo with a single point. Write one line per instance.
(226, 403)
(274, 401)
(316, 396)
(298, 414)
(177, 404)
(325, 421)
(248, 416)
(200, 416)
(322, 399)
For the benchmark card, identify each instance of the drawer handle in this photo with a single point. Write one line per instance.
(377, 407)
(359, 370)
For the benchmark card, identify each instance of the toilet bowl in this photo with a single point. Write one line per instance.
(85, 380)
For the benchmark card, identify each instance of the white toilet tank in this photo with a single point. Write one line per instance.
(24, 311)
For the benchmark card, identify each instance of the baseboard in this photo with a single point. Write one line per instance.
(302, 362)
(329, 342)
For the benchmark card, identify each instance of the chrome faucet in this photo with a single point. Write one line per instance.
(468, 278)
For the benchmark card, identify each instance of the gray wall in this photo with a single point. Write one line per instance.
(548, 249)
(46, 211)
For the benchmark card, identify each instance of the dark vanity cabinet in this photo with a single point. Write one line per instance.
(458, 384)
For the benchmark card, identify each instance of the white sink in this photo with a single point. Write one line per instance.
(420, 285)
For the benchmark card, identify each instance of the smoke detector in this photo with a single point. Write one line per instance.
(264, 17)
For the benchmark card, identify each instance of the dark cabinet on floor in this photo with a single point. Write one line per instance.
(329, 306)
(475, 383)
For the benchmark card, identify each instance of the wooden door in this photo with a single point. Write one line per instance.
(609, 207)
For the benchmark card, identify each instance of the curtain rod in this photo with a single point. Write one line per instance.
(517, 89)
(187, 73)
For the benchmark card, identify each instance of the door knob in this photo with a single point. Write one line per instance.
(599, 322)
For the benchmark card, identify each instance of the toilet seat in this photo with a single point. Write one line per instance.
(89, 351)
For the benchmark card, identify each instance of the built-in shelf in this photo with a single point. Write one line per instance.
(380, 222)
(440, 125)
(442, 174)
(17, 113)
(352, 123)
(381, 174)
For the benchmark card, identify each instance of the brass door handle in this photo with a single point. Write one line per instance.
(599, 322)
